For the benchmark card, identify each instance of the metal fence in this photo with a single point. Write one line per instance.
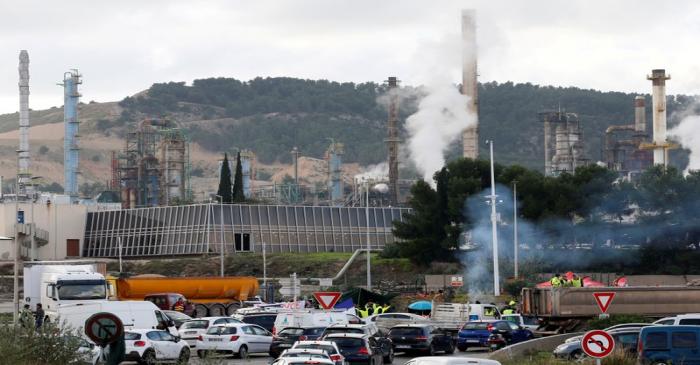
(199, 229)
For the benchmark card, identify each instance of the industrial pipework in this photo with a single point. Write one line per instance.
(24, 159)
(470, 136)
(71, 151)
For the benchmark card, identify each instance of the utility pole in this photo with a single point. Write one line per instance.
(515, 226)
(369, 246)
(494, 228)
(221, 235)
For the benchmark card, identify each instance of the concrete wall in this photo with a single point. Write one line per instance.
(547, 344)
(61, 221)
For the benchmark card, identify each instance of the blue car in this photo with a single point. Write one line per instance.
(661, 345)
(481, 334)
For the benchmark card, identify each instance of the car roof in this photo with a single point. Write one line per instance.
(319, 342)
(310, 360)
(412, 325)
(234, 325)
(310, 351)
(346, 335)
(142, 331)
(347, 325)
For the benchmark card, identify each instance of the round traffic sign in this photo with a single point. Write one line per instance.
(597, 344)
(104, 328)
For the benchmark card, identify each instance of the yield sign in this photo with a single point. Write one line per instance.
(327, 299)
(604, 299)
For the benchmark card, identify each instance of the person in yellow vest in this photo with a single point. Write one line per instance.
(567, 283)
(385, 308)
(364, 313)
(376, 308)
(577, 282)
(556, 281)
(510, 308)
(179, 306)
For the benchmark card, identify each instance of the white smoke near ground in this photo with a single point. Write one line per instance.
(687, 133)
(379, 171)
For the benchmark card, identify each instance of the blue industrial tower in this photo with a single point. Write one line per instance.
(71, 152)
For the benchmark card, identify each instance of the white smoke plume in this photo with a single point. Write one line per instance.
(379, 171)
(687, 133)
(442, 112)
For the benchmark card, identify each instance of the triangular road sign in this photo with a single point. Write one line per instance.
(327, 299)
(603, 299)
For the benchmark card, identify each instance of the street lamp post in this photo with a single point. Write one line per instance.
(221, 211)
(494, 228)
(515, 227)
(369, 263)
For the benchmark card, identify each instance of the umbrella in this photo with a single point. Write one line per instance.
(421, 305)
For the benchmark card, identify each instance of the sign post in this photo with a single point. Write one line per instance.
(457, 281)
(597, 344)
(327, 299)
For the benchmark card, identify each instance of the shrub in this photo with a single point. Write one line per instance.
(50, 345)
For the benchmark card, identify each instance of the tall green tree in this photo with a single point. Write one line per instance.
(224, 191)
(238, 196)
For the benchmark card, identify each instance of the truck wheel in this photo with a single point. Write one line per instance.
(200, 310)
(232, 308)
(217, 310)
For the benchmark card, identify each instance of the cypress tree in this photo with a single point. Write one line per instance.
(238, 196)
(225, 182)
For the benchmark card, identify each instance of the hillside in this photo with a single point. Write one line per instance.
(272, 115)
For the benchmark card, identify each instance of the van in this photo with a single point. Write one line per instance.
(659, 345)
(312, 318)
(133, 314)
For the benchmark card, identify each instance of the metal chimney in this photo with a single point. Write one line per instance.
(23, 151)
(658, 80)
(470, 136)
(71, 151)
(640, 116)
(393, 140)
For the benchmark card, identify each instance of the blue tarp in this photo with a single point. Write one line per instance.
(345, 304)
(421, 305)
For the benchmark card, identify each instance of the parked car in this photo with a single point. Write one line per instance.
(301, 361)
(178, 317)
(385, 344)
(692, 319)
(387, 321)
(150, 346)
(421, 338)
(357, 348)
(265, 320)
(313, 318)
(625, 339)
(434, 360)
(666, 344)
(88, 352)
(530, 322)
(190, 330)
(306, 353)
(477, 334)
(238, 339)
(330, 347)
(613, 328)
(286, 338)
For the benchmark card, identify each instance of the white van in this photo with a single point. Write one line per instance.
(452, 316)
(134, 315)
(313, 318)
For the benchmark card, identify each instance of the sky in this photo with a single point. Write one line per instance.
(122, 47)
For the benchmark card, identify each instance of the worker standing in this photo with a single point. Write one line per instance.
(577, 282)
(556, 281)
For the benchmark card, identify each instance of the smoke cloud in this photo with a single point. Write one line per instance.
(379, 171)
(687, 133)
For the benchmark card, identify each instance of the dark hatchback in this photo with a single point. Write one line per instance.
(479, 334)
(265, 320)
(421, 338)
(288, 336)
(357, 348)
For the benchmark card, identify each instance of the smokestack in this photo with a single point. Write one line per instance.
(392, 141)
(470, 136)
(71, 151)
(23, 151)
(640, 116)
(295, 163)
(658, 81)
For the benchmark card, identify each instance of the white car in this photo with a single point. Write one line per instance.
(692, 319)
(440, 360)
(307, 354)
(301, 361)
(330, 347)
(88, 352)
(190, 330)
(238, 339)
(150, 346)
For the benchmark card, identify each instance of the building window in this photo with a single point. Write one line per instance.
(242, 242)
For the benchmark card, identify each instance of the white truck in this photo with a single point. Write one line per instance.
(133, 314)
(452, 316)
(55, 284)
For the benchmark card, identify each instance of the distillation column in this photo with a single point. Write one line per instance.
(24, 174)
(71, 151)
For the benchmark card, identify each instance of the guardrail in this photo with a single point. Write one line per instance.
(518, 350)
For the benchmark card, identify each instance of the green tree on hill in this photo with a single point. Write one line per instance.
(238, 195)
(224, 191)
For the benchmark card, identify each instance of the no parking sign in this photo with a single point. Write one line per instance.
(597, 344)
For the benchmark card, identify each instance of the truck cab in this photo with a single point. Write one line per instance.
(57, 285)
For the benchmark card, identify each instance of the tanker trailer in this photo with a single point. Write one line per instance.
(564, 309)
(212, 296)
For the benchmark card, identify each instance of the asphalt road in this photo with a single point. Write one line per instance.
(400, 358)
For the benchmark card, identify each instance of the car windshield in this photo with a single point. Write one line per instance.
(131, 336)
(196, 324)
(289, 332)
(81, 289)
(475, 326)
(177, 315)
(328, 348)
(405, 331)
(221, 330)
(344, 330)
